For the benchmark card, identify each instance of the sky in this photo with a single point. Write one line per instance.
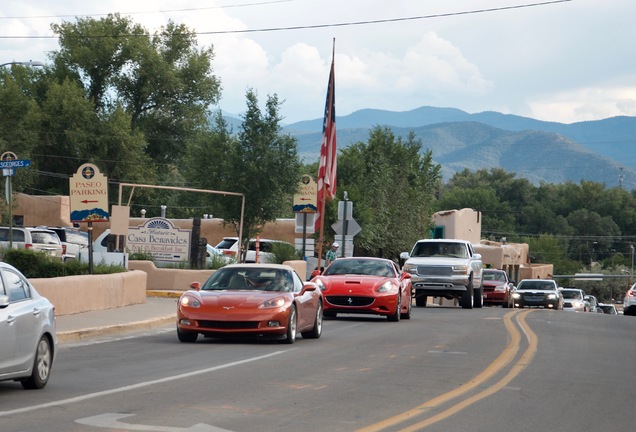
(564, 60)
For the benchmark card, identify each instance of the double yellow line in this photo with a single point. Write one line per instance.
(505, 358)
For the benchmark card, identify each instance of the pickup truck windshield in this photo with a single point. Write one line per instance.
(441, 249)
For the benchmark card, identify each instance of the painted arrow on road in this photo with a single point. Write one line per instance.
(111, 421)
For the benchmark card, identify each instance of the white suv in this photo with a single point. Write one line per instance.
(32, 238)
(229, 246)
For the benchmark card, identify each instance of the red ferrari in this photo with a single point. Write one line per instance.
(365, 286)
(260, 300)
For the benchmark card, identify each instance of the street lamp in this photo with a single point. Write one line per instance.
(24, 63)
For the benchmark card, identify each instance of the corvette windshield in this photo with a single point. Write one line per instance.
(253, 279)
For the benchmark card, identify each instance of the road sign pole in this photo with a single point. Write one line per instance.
(344, 224)
(9, 203)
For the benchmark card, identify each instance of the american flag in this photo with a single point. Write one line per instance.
(328, 150)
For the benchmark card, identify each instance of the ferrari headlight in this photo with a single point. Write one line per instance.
(188, 301)
(320, 284)
(272, 303)
(385, 287)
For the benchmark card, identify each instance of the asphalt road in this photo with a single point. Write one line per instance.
(446, 369)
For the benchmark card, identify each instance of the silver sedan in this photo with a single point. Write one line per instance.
(28, 341)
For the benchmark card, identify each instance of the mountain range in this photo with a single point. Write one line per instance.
(602, 151)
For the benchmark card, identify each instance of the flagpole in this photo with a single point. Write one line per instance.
(321, 237)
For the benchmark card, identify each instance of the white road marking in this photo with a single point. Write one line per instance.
(111, 421)
(136, 386)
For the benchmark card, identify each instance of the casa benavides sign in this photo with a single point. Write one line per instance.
(160, 238)
(306, 199)
(88, 191)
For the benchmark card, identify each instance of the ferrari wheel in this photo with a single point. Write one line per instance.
(396, 316)
(290, 337)
(407, 314)
(41, 366)
(186, 336)
(316, 330)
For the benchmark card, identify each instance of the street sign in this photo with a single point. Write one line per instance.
(88, 195)
(9, 161)
(352, 227)
(306, 200)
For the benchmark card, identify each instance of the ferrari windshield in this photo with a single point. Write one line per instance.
(370, 267)
(243, 278)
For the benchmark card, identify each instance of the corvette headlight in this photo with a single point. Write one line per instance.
(385, 287)
(188, 301)
(272, 303)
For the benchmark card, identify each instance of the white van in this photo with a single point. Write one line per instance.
(32, 238)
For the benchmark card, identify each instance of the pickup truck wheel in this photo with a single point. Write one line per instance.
(467, 296)
(478, 301)
(420, 301)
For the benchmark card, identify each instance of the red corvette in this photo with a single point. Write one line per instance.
(260, 300)
(365, 286)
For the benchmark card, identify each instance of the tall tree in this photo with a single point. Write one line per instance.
(163, 81)
(391, 182)
(260, 162)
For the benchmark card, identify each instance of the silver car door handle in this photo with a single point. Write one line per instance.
(36, 311)
(10, 319)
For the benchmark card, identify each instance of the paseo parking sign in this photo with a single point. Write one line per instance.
(89, 195)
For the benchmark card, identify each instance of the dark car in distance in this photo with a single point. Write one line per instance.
(543, 293)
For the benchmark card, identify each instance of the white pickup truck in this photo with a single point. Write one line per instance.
(446, 268)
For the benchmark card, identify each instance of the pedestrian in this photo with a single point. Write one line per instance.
(331, 254)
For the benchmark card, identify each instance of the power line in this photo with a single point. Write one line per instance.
(318, 26)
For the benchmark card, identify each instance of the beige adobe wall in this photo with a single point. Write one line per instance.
(462, 224)
(75, 294)
(536, 271)
(42, 209)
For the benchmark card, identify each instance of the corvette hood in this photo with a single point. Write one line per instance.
(242, 298)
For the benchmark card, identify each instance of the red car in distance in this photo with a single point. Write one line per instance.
(498, 288)
(361, 285)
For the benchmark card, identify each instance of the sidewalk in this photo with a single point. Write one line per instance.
(159, 310)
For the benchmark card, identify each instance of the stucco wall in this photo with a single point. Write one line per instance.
(75, 294)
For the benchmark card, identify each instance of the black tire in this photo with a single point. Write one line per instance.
(407, 314)
(395, 317)
(467, 296)
(186, 336)
(420, 301)
(290, 337)
(42, 364)
(478, 297)
(316, 330)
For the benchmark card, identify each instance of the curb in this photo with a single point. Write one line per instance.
(164, 293)
(114, 330)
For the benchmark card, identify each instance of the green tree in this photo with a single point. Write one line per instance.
(164, 82)
(392, 184)
(260, 162)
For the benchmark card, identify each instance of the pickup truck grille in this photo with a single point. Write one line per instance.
(427, 270)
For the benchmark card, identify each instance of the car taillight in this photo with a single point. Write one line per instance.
(63, 249)
(28, 246)
(229, 252)
(631, 293)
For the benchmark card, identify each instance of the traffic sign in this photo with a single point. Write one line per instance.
(18, 163)
(89, 195)
(352, 227)
(306, 200)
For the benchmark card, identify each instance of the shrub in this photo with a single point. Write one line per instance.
(282, 252)
(41, 265)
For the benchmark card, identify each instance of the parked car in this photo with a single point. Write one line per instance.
(258, 300)
(213, 254)
(33, 238)
(629, 301)
(229, 246)
(574, 300)
(28, 342)
(538, 293)
(366, 286)
(73, 241)
(498, 288)
(609, 309)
